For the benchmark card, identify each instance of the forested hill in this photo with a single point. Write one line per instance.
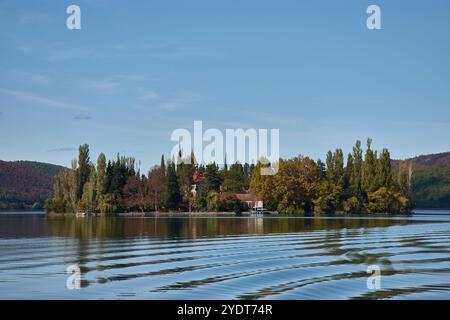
(438, 160)
(430, 180)
(25, 184)
(431, 187)
(40, 167)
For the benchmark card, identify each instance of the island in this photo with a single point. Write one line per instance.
(366, 183)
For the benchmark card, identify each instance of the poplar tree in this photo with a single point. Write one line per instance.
(349, 173)
(101, 174)
(339, 168)
(384, 172)
(83, 170)
(369, 169)
(330, 167)
(357, 168)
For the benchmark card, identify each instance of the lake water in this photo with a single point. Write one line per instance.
(224, 257)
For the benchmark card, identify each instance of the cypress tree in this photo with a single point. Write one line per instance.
(212, 179)
(225, 165)
(323, 169)
(247, 170)
(357, 168)
(163, 165)
(173, 188)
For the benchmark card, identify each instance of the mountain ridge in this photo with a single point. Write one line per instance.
(437, 160)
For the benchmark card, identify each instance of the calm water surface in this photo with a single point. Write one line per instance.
(225, 258)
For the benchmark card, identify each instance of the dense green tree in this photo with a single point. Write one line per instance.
(163, 165)
(356, 186)
(234, 179)
(385, 200)
(339, 173)
(157, 185)
(84, 168)
(370, 169)
(349, 173)
(330, 167)
(173, 189)
(384, 170)
(88, 200)
(330, 193)
(185, 171)
(264, 186)
(212, 178)
(300, 186)
(323, 169)
(222, 201)
(329, 198)
(135, 193)
(296, 185)
(101, 173)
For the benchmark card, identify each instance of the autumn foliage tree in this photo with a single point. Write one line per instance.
(358, 185)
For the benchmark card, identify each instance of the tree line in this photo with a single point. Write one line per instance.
(363, 184)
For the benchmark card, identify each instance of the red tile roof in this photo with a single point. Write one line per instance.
(197, 178)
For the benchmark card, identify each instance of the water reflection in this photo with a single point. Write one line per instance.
(196, 227)
(223, 257)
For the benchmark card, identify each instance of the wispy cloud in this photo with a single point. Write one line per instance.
(133, 77)
(63, 54)
(181, 101)
(35, 78)
(146, 98)
(146, 94)
(40, 100)
(103, 86)
(157, 50)
(24, 19)
(59, 52)
(32, 18)
(82, 117)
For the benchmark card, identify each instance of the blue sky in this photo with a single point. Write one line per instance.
(138, 70)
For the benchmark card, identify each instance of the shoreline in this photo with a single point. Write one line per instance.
(225, 214)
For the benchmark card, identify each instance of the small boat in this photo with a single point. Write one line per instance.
(80, 214)
(259, 212)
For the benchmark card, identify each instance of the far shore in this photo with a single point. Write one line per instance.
(223, 214)
(157, 214)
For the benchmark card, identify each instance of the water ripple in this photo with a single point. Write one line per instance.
(228, 258)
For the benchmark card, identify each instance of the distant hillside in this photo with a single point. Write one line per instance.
(40, 167)
(430, 180)
(431, 186)
(25, 184)
(438, 160)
